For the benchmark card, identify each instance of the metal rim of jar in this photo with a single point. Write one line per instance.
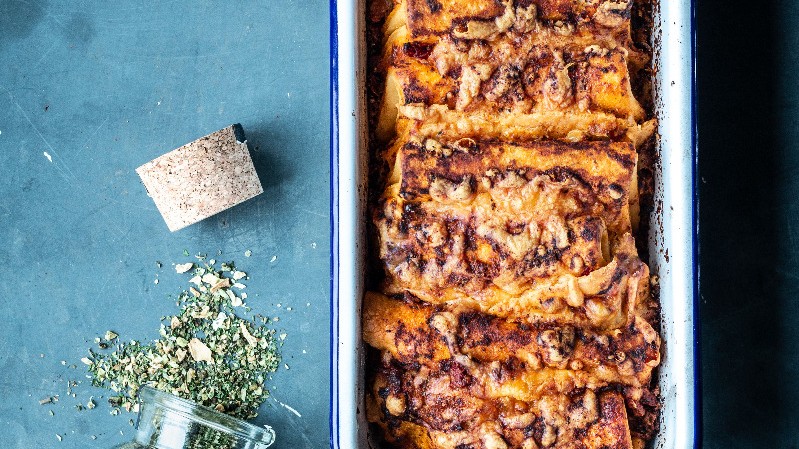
(207, 416)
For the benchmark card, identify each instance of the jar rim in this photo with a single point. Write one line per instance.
(207, 416)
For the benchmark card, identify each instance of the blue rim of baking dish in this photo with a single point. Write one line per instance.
(334, 240)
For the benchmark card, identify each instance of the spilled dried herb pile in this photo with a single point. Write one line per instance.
(206, 353)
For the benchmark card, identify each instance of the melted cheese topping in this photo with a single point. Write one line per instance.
(550, 80)
(444, 408)
(514, 311)
(486, 19)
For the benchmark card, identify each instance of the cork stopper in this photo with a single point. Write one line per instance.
(201, 178)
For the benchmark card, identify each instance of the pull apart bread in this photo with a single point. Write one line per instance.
(472, 379)
(514, 311)
(558, 69)
(539, 230)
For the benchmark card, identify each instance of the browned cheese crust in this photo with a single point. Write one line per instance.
(483, 19)
(548, 69)
(445, 407)
(513, 309)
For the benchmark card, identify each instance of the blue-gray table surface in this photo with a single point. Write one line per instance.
(102, 87)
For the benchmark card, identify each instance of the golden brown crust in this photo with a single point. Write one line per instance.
(514, 311)
(533, 72)
(520, 77)
(441, 16)
(535, 229)
(416, 333)
(599, 174)
(485, 19)
(440, 122)
(445, 407)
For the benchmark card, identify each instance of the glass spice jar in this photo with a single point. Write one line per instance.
(168, 422)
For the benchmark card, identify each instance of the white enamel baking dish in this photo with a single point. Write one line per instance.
(672, 242)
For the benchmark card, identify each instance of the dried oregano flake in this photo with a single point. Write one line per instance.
(206, 353)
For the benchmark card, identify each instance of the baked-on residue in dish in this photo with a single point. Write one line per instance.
(512, 309)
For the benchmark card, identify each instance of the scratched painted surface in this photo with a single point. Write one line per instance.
(91, 90)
